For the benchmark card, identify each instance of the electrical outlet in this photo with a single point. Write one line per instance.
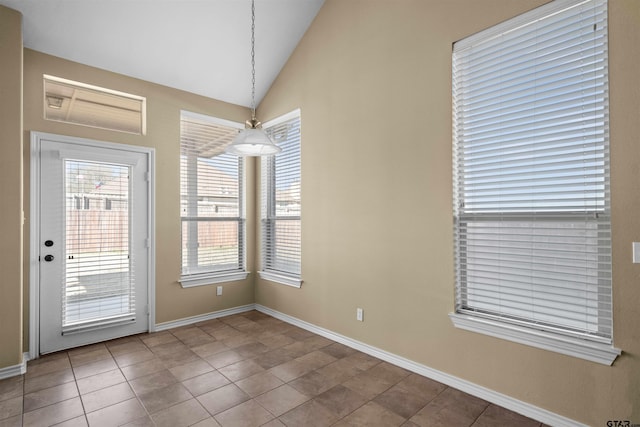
(219, 290)
(359, 314)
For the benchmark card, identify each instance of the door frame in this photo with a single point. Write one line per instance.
(34, 227)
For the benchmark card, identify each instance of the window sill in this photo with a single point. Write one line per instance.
(293, 281)
(588, 350)
(204, 279)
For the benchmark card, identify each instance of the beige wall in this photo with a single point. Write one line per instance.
(163, 134)
(10, 187)
(373, 81)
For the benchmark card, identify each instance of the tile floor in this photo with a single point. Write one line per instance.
(243, 370)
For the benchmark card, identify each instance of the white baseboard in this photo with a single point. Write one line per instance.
(15, 370)
(203, 317)
(484, 393)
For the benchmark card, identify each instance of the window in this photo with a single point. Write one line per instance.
(211, 202)
(84, 104)
(280, 218)
(531, 180)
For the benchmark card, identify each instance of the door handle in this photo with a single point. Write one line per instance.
(48, 258)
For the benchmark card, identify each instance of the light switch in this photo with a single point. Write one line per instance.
(636, 252)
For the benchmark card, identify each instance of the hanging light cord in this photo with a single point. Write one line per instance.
(253, 61)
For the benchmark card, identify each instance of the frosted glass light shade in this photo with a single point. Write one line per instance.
(252, 142)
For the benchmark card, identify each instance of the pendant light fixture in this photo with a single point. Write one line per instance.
(253, 141)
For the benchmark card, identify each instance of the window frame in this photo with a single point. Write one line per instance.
(528, 332)
(210, 276)
(268, 215)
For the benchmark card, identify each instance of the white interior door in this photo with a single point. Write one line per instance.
(94, 243)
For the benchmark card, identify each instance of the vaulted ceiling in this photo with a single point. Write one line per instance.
(200, 46)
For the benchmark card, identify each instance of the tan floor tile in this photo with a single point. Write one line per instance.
(80, 421)
(223, 398)
(47, 358)
(340, 370)
(12, 421)
(247, 414)
(450, 408)
(131, 358)
(252, 349)
(180, 357)
(54, 414)
(273, 358)
(96, 382)
(90, 355)
(240, 370)
(363, 360)
(187, 332)
(199, 340)
(289, 370)
(118, 414)
(237, 340)
(169, 348)
(183, 414)
(159, 338)
(53, 379)
(313, 383)
(49, 396)
(276, 341)
(207, 422)
(388, 372)
(106, 397)
(338, 350)
(191, 369)
(402, 402)
(310, 414)
(47, 365)
(274, 423)
(296, 349)
(142, 369)
(10, 407)
(120, 348)
(371, 415)
(259, 383)
(12, 387)
(94, 368)
(367, 385)
(281, 400)
(209, 349)
(341, 400)
(316, 359)
(298, 334)
(152, 382)
(90, 348)
(205, 383)
(164, 397)
(423, 386)
(316, 342)
(498, 416)
(225, 358)
(145, 421)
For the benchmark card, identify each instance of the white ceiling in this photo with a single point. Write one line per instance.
(200, 46)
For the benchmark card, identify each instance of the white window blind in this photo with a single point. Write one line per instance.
(281, 203)
(99, 285)
(211, 198)
(531, 171)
